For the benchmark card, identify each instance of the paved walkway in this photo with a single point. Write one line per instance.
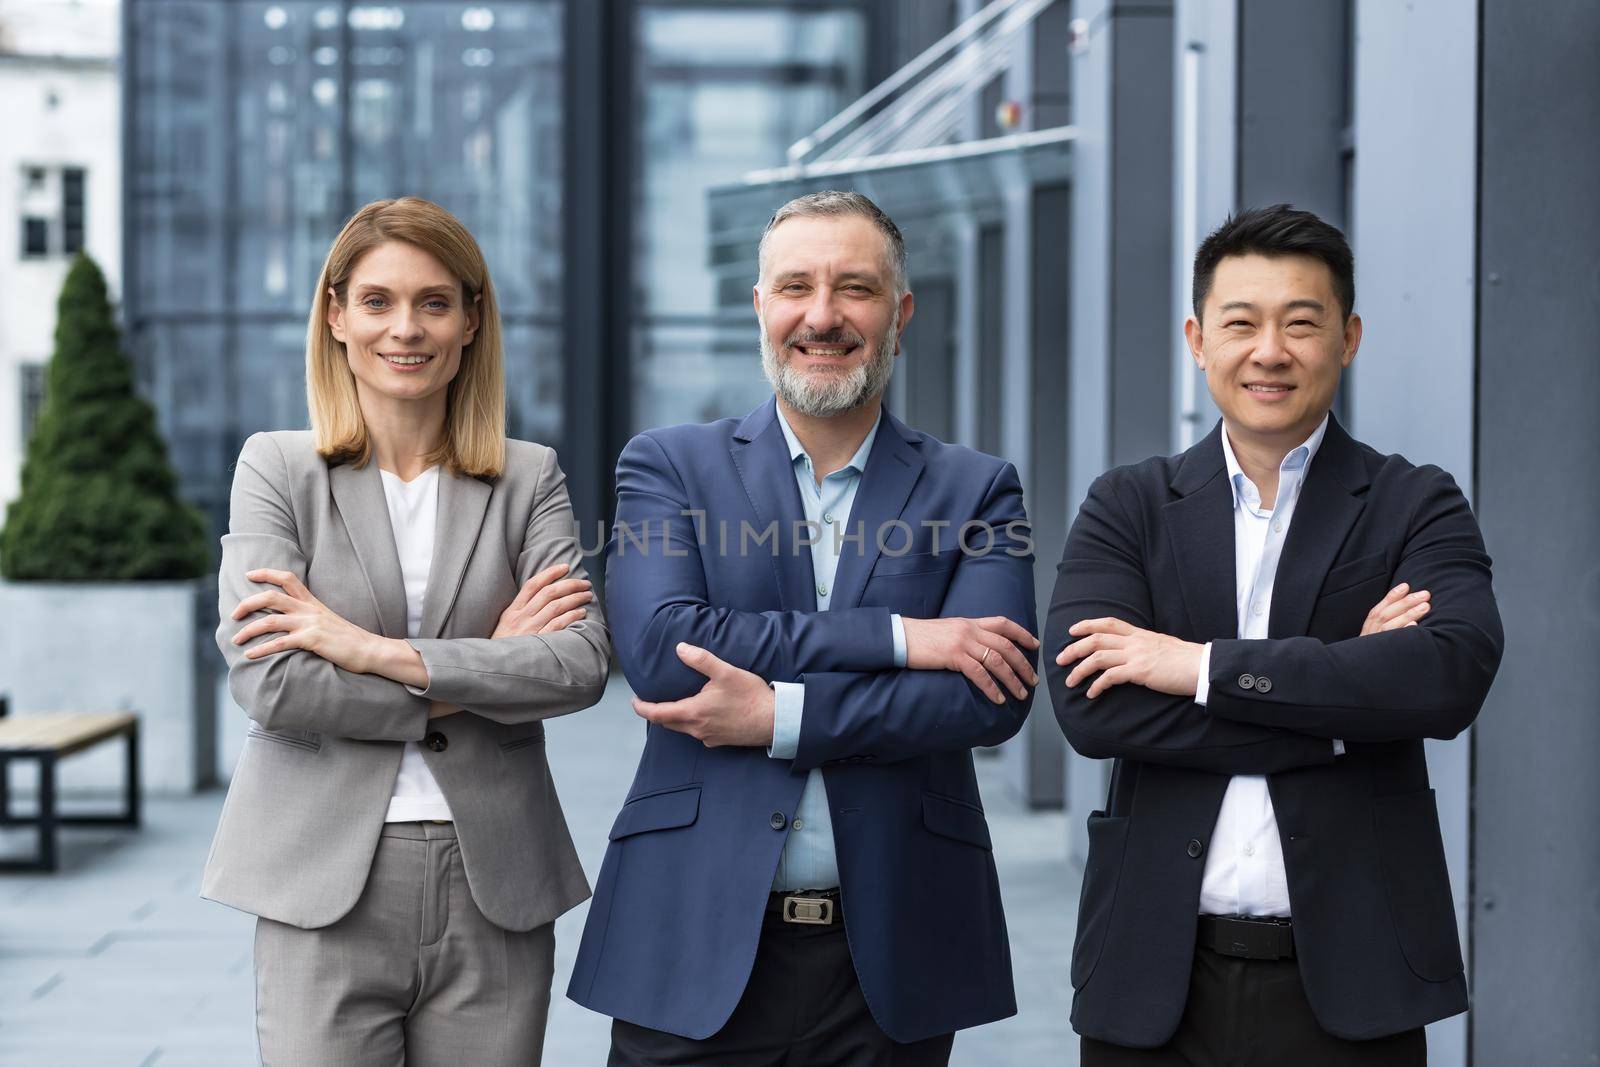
(116, 962)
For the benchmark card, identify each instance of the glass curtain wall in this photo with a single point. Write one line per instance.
(721, 90)
(256, 128)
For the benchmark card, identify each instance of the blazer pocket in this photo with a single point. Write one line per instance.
(309, 740)
(1417, 884)
(665, 810)
(534, 738)
(1108, 841)
(912, 563)
(956, 819)
(1348, 575)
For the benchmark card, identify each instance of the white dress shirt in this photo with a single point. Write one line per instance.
(1244, 872)
(413, 514)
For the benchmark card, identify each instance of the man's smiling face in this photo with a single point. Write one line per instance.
(1272, 343)
(830, 314)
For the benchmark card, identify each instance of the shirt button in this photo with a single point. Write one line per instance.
(822, 590)
(1277, 526)
(778, 820)
(1255, 609)
(827, 517)
(1249, 849)
(799, 824)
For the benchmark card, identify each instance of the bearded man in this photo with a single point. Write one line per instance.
(821, 611)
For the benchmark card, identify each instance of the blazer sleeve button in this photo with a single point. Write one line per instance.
(1263, 684)
(1195, 848)
(1247, 681)
(778, 820)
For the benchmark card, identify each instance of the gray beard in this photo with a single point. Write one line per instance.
(822, 398)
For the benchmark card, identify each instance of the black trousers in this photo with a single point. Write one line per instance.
(802, 1008)
(1254, 1013)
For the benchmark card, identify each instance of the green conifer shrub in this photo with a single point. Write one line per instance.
(99, 501)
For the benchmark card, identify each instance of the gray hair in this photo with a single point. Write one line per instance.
(836, 203)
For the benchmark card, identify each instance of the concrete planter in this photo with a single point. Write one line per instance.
(115, 646)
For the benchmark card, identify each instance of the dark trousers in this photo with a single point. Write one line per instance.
(802, 1008)
(1253, 1013)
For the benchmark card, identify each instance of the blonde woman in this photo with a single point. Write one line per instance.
(403, 604)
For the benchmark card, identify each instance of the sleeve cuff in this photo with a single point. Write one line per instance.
(1338, 747)
(1202, 684)
(898, 627)
(788, 704)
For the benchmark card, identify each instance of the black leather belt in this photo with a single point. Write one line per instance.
(1247, 938)
(808, 907)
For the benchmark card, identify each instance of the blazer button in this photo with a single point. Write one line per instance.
(1195, 849)
(1247, 681)
(437, 741)
(778, 821)
(1263, 684)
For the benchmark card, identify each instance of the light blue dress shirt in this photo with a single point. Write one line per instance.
(808, 860)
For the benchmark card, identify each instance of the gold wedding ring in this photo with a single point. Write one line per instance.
(985, 658)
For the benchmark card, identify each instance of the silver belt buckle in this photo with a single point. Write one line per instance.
(812, 911)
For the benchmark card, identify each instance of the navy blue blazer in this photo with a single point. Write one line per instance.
(1374, 925)
(672, 930)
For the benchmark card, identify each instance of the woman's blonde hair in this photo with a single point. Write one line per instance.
(475, 415)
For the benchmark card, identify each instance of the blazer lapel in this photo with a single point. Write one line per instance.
(462, 502)
(1200, 524)
(1331, 499)
(893, 467)
(761, 456)
(358, 495)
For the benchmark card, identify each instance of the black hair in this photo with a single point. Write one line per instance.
(1278, 230)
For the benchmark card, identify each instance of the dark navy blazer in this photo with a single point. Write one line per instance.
(672, 931)
(1374, 925)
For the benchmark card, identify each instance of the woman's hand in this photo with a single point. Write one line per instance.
(547, 602)
(305, 623)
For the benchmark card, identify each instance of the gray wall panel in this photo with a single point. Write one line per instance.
(1536, 917)
(1292, 95)
(1416, 197)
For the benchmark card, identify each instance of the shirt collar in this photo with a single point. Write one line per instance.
(1295, 463)
(857, 462)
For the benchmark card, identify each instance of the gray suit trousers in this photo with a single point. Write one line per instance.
(413, 975)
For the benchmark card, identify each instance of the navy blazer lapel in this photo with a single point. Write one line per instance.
(1331, 499)
(1200, 525)
(893, 467)
(358, 495)
(462, 503)
(761, 456)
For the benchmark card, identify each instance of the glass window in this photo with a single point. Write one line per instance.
(721, 92)
(72, 209)
(35, 237)
(32, 398)
(260, 126)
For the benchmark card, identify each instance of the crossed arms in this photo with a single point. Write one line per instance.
(706, 670)
(294, 663)
(1404, 676)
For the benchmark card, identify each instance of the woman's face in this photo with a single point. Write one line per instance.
(403, 325)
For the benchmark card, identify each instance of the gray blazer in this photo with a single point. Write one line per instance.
(308, 799)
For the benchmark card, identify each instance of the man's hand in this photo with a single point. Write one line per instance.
(989, 652)
(734, 707)
(545, 604)
(1120, 652)
(305, 622)
(1398, 609)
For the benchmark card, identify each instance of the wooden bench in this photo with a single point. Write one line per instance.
(47, 738)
